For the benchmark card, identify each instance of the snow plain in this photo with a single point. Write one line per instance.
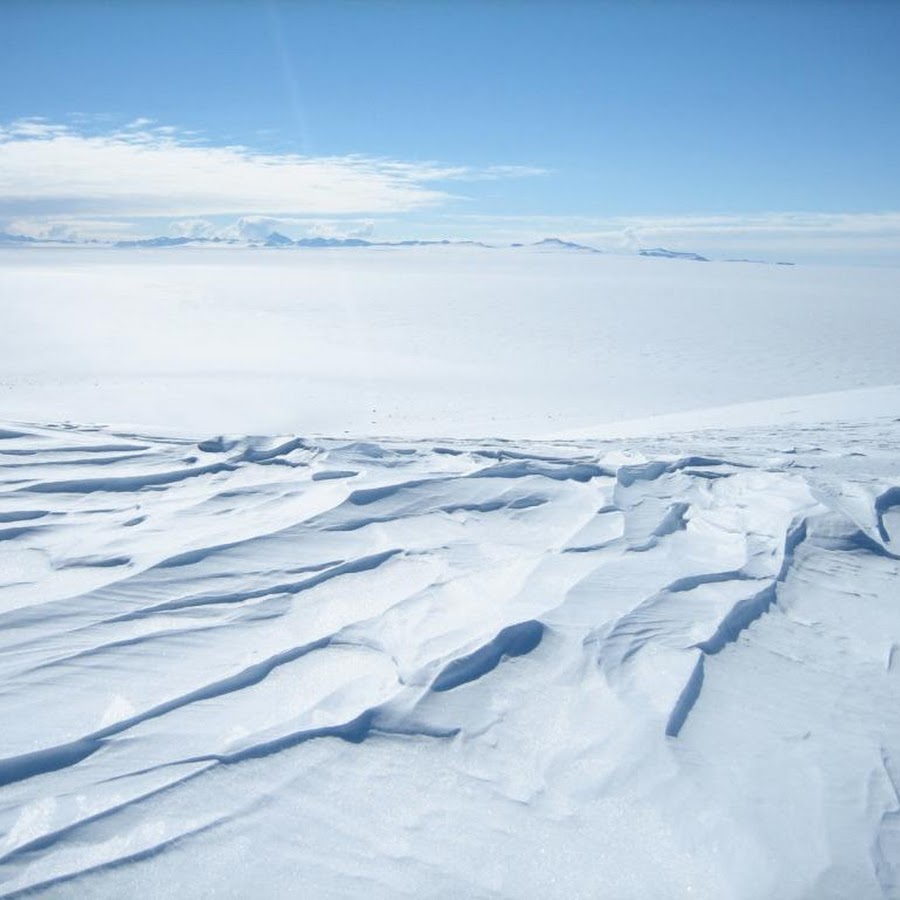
(447, 341)
(638, 660)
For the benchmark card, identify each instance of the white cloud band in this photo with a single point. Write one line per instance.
(146, 170)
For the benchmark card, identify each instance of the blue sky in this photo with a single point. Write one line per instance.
(713, 124)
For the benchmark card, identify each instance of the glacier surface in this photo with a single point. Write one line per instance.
(501, 653)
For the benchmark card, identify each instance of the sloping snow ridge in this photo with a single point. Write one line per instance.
(664, 667)
(653, 658)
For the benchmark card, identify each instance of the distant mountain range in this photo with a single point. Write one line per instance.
(553, 243)
(275, 239)
(672, 254)
(6, 238)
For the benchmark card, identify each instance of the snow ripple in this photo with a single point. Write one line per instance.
(346, 650)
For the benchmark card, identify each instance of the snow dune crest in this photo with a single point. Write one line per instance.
(349, 649)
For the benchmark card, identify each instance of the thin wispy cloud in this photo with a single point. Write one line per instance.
(145, 169)
(72, 229)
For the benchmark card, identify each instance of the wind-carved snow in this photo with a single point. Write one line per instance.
(239, 666)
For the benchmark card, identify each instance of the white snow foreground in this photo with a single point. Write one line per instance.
(269, 668)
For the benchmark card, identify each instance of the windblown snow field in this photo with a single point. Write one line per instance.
(486, 665)
(246, 667)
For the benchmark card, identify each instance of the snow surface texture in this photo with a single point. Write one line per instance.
(439, 341)
(608, 663)
(248, 667)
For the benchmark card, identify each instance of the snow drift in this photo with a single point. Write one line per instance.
(242, 666)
